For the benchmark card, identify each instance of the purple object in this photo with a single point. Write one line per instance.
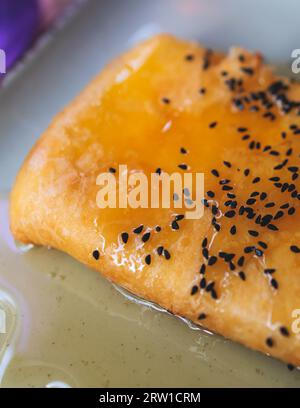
(19, 25)
(21, 22)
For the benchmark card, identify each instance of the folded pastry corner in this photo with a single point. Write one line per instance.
(173, 106)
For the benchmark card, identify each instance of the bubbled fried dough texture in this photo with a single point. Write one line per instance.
(146, 106)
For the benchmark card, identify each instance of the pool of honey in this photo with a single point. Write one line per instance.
(66, 326)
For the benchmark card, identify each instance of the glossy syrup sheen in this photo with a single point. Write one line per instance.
(68, 326)
(183, 114)
(122, 118)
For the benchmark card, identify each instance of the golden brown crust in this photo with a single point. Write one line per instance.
(118, 119)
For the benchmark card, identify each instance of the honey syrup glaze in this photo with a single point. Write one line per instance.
(176, 106)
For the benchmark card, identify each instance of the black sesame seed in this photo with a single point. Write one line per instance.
(215, 173)
(289, 152)
(183, 150)
(159, 250)
(284, 206)
(227, 188)
(96, 254)
(202, 316)
(217, 227)
(167, 254)
(256, 180)
(112, 170)
(227, 164)
(175, 225)
(249, 249)
(210, 286)
(252, 145)
(247, 70)
(274, 283)
(214, 209)
(291, 211)
(166, 100)
(253, 233)
(242, 129)
(266, 219)
(284, 331)
(189, 57)
(186, 192)
(291, 367)
(224, 181)
(246, 172)
(202, 269)
(157, 228)
(230, 214)
(262, 244)
(291, 187)
(213, 294)
(295, 249)
(203, 283)
(269, 271)
(124, 237)
(212, 260)
(263, 196)
(241, 261)
(183, 166)
(206, 60)
(205, 202)
(146, 237)
(238, 103)
(138, 230)
(202, 91)
(213, 124)
(210, 194)
(194, 290)
(278, 215)
(242, 275)
(148, 259)
(258, 252)
(228, 257)
(158, 171)
(233, 230)
(269, 342)
(270, 205)
(205, 253)
(204, 243)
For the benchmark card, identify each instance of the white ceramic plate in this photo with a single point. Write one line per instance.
(66, 325)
